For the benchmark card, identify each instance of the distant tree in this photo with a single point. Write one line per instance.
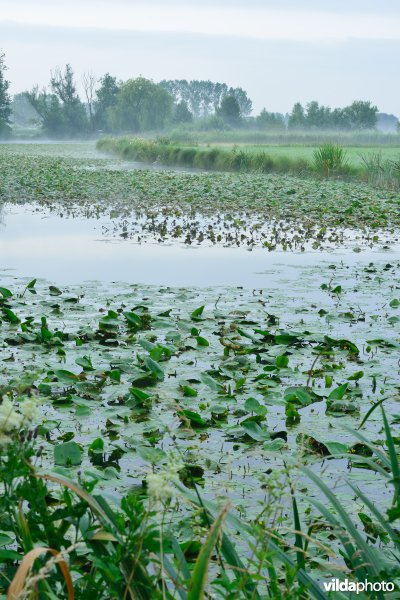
(340, 119)
(359, 115)
(5, 100)
(141, 106)
(106, 99)
(316, 116)
(50, 111)
(89, 82)
(74, 113)
(245, 104)
(205, 97)
(23, 113)
(362, 115)
(230, 110)
(182, 114)
(270, 121)
(297, 117)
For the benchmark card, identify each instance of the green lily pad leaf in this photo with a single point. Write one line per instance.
(253, 405)
(253, 430)
(356, 376)
(336, 448)
(68, 454)
(196, 314)
(96, 447)
(299, 396)
(54, 291)
(395, 303)
(282, 361)
(67, 376)
(195, 419)
(150, 454)
(133, 320)
(85, 362)
(188, 391)
(274, 445)
(339, 392)
(155, 368)
(10, 316)
(211, 382)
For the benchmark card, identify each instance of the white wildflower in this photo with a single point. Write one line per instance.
(160, 485)
(14, 417)
(29, 410)
(10, 419)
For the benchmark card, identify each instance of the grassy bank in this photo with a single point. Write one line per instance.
(329, 159)
(200, 157)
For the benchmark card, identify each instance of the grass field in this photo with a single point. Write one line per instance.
(306, 152)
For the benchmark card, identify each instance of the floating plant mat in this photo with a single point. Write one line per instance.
(240, 380)
(270, 211)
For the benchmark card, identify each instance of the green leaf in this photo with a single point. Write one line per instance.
(188, 391)
(133, 320)
(339, 392)
(253, 430)
(85, 362)
(11, 316)
(211, 382)
(154, 367)
(5, 292)
(5, 539)
(150, 454)
(54, 291)
(201, 568)
(282, 361)
(253, 405)
(68, 454)
(274, 445)
(196, 314)
(194, 418)
(9, 555)
(96, 447)
(66, 376)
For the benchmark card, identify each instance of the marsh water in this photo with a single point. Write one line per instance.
(36, 242)
(88, 252)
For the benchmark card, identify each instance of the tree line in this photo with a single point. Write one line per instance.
(139, 105)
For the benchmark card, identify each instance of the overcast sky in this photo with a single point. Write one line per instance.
(280, 51)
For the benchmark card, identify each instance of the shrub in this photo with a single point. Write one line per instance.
(330, 159)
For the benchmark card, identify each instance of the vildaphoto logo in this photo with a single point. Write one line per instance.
(335, 585)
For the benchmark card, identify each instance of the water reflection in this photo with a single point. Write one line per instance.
(74, 250)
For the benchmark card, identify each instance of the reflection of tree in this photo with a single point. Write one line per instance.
(2, 223)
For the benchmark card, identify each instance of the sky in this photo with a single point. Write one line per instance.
(279, 51)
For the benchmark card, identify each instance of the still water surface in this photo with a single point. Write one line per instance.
(73, 250)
